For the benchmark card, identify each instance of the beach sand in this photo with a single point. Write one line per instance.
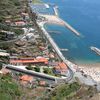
(91, 69)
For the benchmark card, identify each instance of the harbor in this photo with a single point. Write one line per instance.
(77, 17)
(52, 19)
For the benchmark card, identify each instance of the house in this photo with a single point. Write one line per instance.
(42, 83)
(20, 23)
(51, 55)
(8, 22)
(8, 35)
(4, 54)
(5, 71)
(25, 61)
(26, 80)
(25, 16)
(61, 68)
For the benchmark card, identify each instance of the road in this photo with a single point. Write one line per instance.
(35, 74)
(56, 48)
(14, 40)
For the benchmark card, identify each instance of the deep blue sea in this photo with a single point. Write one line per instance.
(84, 16)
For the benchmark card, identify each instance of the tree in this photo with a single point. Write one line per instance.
(37, 69)
(29, 67)
(46, 70)
(0, 65)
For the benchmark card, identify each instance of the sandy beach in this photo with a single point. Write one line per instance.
(91, 69)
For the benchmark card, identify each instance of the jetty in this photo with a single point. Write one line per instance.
(95, 49)
(56, 10)
(52, 19)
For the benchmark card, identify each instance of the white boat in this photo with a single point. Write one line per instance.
(95, 49)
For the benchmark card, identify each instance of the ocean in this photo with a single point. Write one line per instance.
(84, 16)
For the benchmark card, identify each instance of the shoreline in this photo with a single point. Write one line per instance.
(73, 68)
(94, 65)
(91, 70)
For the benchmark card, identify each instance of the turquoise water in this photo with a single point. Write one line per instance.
(83, 15)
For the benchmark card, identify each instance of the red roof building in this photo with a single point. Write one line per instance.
(29, 60)
(61, 68)
(5, 71)
(42, 83)
(26, 78)
(20, 23)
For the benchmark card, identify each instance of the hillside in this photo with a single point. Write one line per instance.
(8, 8)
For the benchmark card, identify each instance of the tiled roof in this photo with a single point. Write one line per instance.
(37, 60)
(26, 78)
(61, 67)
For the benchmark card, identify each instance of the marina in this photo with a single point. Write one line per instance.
(52, 19)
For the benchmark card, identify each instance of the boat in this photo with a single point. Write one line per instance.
(63, 49)
(95, 49)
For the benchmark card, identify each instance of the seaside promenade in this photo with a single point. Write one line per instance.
(57, 49)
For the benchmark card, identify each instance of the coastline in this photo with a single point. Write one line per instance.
(54, 20)
(73, 68)
(91, 69)
(82, 24)
(95, 65)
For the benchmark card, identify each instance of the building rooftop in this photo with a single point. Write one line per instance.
(26, 78)
(5, 71)
(4, 54)
(61, 67)
(30, 60)
(20, 23)
(42, 83)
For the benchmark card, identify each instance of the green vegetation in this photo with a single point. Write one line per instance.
(4, 47)
(48, 71)
(64, 92)
(4, 59)
(5, 27)
(37, 69)
(0, 65)
(29, 67)
(9, 90)
(8, 8)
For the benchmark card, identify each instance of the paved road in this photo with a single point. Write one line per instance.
(14, 40)
(56, 48)
(35, 74)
